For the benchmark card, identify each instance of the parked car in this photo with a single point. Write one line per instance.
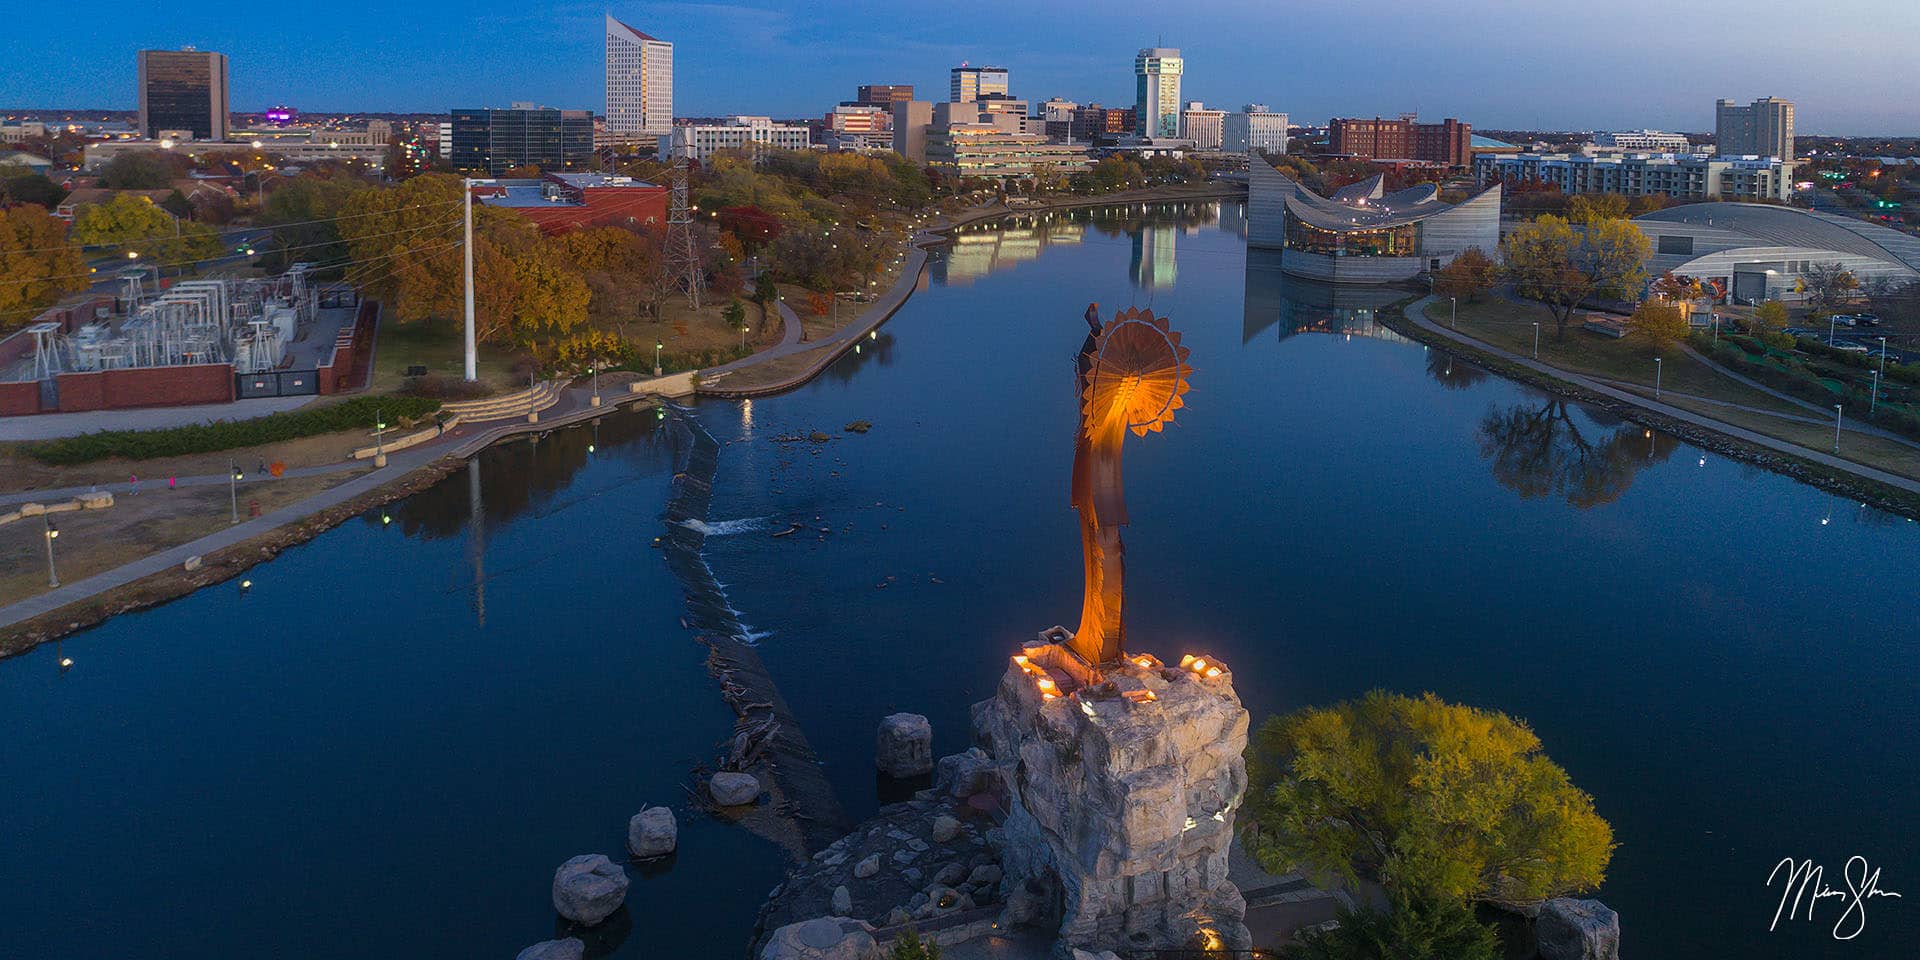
(1867, 319)
(1843, 319)
(1851, 347)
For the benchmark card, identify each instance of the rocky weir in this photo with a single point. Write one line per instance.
(803, 815)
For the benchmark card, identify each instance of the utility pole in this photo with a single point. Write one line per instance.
(466, 251)
(683, 258)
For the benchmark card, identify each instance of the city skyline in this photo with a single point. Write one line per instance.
(1578, 69)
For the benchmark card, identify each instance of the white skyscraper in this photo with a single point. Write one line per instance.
(1157, 111)
(639, 83)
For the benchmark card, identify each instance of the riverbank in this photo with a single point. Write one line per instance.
(792, 365)
(1859, 482)
(164, 575)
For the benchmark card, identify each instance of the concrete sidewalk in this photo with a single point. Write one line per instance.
(461, 442)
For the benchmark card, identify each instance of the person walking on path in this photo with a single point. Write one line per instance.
(133, 485)
(170, 481)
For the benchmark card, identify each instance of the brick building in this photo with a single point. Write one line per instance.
(559, 202)
(1448, 142)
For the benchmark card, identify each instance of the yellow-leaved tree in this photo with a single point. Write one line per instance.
(1561, 262)
(1435, 800)
(1659, 322)
(38, 264)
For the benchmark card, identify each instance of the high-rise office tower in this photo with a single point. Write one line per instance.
(1762, 128)
(183, 89)
(1157, 109)
(495, 141)
(639, 83)
(972, 83)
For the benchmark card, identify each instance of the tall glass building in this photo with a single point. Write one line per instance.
(1157, 110)
(183, 89)
(968, 84)
(639, 83)
(495, 141)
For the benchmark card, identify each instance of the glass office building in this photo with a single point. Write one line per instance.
(495, 141)
(183, 90)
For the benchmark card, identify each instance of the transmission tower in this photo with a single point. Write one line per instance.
(683, 256)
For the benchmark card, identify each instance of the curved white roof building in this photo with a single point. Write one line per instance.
(1759, 251)
(1363, 234)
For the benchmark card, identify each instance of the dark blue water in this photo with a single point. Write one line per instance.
(345, 761)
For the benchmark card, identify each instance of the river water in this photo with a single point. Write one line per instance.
(387, 743)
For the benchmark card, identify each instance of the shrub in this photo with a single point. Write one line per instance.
(357, 413)
(909, 946)
(1411, 929)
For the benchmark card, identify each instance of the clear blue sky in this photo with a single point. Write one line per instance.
(1575, 64)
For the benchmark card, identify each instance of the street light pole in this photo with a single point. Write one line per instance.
(53, 579)
(1832, 318)
(466, 256)
(743, 336)
(1536, 339)
(657, 344)
(1453, 311)
(1836, 428)
(1873, 402)
(379, 439)
(233, 488)
(1656, 378)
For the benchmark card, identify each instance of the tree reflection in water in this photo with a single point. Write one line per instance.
(1452, 372)
(1539, 449)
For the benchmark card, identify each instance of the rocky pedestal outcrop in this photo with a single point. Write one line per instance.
(589, 888)
(904, 746)
(822, 938)
(652, 833)
(1123, 794)
(1569, 929)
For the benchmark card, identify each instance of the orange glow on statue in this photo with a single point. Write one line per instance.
(1132, 375)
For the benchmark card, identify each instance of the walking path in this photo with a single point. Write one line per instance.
(1416, 314)
(713, 381)
(462, 441)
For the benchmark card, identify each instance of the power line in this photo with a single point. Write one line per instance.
(265, 226)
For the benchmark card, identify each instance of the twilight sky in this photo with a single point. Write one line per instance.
(1558, 64)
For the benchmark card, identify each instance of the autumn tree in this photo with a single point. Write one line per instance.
(551, 297)
(1829, 285)
(302, 215)
(38, 264)
(1437, 801)
(1658, 321)
(144, 170)
(30, 188)
(1561, 262)
(754, 227)
(1467, 277)
(1674, 287)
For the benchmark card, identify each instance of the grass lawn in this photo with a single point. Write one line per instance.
(1510, 325)
(94, 541)
(440, 348)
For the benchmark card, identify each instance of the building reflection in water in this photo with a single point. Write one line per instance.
(1154, 266)
(1152, 227)
(1289, 305)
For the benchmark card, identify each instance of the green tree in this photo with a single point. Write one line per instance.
(143, 170)
(1561, 263)
(132, 223)
(1437, 801)
(1410, 929)
(734, 314)
(38, 264)
(31, 188)
(1659, 322)
(909, 946)
(1469, 275)
(1770, 317)
(302, 213)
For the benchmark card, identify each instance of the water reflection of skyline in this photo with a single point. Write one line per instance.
(1152, 229)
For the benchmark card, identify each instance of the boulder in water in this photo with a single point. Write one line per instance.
(589, 888)
(652, 833)
(1570, 929)
(733, 789)
(904, 746)
(568, 949)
